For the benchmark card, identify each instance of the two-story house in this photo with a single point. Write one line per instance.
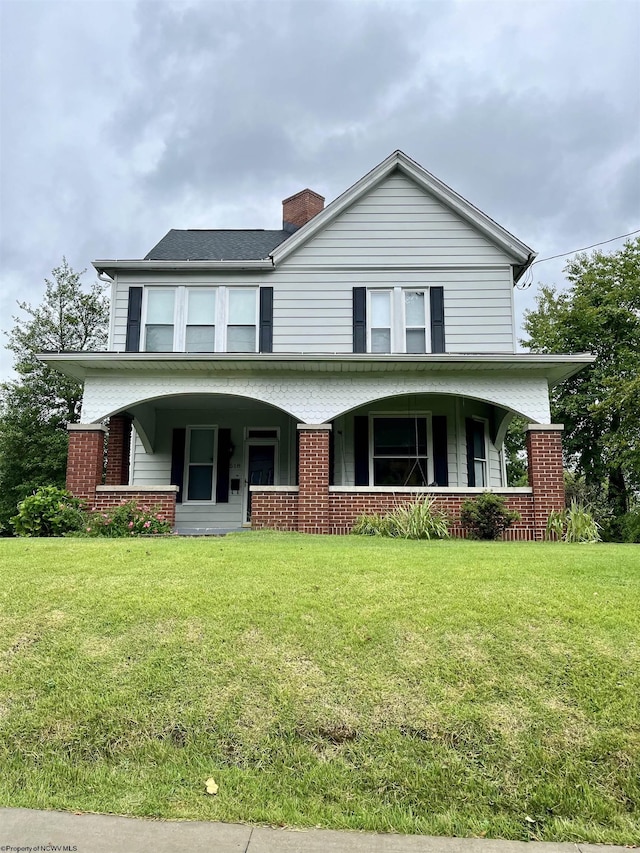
(361, 354)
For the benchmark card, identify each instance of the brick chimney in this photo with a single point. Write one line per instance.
(298, 209)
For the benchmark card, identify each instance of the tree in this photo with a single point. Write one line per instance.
(598, 313)
(35, 408)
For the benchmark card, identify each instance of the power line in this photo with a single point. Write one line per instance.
(584, 248)
(528, 276)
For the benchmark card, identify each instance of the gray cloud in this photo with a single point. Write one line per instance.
(121, 120)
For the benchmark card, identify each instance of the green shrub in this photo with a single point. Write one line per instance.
(573, 524)
(126, 519)
(48, 512)
(631, 525)
(487, 516)
(370, 525)
(417, 520)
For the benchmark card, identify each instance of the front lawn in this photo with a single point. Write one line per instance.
(446, 688)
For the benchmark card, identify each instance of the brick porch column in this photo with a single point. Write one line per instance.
(544, 451)
(118, 448)
(313, 470)
(85, 459)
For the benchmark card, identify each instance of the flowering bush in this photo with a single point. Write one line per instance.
(127, 519)
(49, 511)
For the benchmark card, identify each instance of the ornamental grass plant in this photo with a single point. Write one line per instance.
(420, 519)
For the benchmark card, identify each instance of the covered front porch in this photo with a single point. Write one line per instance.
(309, 442)
(216, 463)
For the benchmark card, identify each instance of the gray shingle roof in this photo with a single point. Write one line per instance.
(197, 245)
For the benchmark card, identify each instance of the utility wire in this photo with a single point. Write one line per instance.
(584, 248)
(528, 276)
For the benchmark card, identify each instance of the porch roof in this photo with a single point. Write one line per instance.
(79, 365)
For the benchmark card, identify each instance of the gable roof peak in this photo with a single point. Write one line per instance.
(522, 254)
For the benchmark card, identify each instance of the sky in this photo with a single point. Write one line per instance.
(120, 120)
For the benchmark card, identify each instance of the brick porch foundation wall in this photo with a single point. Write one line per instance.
(162, 501)
(347, 506)
(275, 510)
(279, 510)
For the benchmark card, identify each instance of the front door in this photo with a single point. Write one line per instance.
(261, 463)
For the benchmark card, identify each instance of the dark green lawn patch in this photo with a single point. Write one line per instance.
(456, 688)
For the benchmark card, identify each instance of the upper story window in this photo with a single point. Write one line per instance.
(398, 320)
(160, 320)
(200, 319)
(415, 321)
(242, 320)
(200, 332)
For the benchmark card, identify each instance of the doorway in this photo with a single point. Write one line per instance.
(260, 471)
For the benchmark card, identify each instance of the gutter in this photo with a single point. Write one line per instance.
(107, 267)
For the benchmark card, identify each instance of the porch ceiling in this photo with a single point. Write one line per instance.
(554, 368)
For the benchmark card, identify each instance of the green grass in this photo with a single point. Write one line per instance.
(451, 688)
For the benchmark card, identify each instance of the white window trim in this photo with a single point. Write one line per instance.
(187, 453)
(180, 306)
(422, 414)
(398, 316)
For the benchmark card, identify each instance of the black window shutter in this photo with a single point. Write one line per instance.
(361, 450)
(359, 319)
(471, 471)
(297, 457)
(134, 316)
(266, 319)
(177, 460)
(222, 466)
(440, 454)
(436, 299)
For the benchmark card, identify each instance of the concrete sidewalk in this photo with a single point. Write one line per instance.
(27, 831)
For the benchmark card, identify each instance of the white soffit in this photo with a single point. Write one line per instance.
(555, 368)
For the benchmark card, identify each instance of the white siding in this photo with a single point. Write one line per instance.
(399, 222)
(397, 235)
(312, 309)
